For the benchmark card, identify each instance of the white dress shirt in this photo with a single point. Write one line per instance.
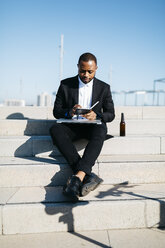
(85, 94)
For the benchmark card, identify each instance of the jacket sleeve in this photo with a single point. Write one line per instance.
(107, 113)
(60, 109)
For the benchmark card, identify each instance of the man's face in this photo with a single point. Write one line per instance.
(87, 70)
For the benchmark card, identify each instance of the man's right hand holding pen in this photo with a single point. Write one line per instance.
(90, 116)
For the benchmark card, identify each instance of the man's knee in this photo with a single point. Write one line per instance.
(100, 131)
(55, 129)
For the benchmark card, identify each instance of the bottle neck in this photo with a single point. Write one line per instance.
(122, 117)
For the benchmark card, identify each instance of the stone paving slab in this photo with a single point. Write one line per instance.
(6, 194)
(27, 175)
(132, 172)
(41, 127)
(157, 112)
(47, 171)
(130, 158)
(163, 145)
(37, 160)
(28, 112)
(33, 218)
(0, 220)
(120, 192)
(129, 238)
(135, 238)
(21, 146)
(122, 206)
(88, 239)
(25, 127)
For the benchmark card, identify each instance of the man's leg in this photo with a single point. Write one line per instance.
(62, 136)
(96, 135)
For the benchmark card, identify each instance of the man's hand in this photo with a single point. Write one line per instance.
(90, 116)
(75, 107)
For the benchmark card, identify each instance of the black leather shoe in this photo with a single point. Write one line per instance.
(91, 182)
(72, 188)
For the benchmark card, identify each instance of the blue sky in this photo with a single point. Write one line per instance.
(125, 35)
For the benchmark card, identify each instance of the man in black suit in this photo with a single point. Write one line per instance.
(82, 91)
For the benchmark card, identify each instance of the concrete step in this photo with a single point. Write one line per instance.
(41, 127)
(25, 127)
(38, 209)
(131, 112)
(47, 171)
(145, 237)
(23, 146)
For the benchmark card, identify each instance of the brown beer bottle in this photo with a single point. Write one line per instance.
(122, 125)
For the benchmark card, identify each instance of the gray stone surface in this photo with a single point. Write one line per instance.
(92, 239)
(6, 194)
(25, 127)
(163, 145)
(131, 158)
(104, 192)
(129, 238)
(33, 218)
(144, 238)
(27, 112)
(131, 112)
(41, 127)
(0, 220)
(135, 127)
(132, 172)
(34, 175)
(124, 206)
(157, 112)
(44, 171)
(132, 145)
(35, 145)
(16, 146)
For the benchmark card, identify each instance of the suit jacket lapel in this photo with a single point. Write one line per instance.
(75, 89)
(95, 91)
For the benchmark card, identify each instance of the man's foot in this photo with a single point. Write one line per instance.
(91, 182)
(72, 188)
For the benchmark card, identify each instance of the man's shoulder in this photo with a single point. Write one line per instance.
(101, 83)
(69, 81)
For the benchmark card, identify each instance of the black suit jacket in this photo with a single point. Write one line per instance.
(67, 97)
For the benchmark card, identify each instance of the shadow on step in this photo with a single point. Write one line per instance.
(17, 116)
(122, 188)
(64, 210)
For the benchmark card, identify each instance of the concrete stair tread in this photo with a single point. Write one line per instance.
(23, 161)
(34, 210)
(152, 238)
(102, 159)
(48, 171)
(41, 127)
(28, 112)
(118, 192)
(21, 146)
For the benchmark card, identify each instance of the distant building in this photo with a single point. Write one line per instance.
(14, 102)
(44, 100)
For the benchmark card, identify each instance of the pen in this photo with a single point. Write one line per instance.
(94, 105)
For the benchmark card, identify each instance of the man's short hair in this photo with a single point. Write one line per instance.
(86, 57)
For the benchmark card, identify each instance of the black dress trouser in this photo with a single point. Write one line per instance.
(63, 136)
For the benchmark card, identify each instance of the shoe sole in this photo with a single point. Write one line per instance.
(89, 187)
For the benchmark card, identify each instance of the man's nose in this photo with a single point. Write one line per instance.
(86, 74)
